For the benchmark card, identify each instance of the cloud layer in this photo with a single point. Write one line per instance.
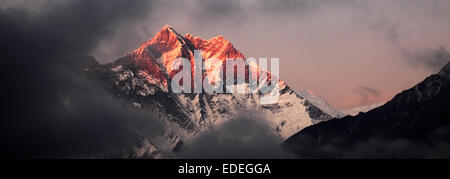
(244, 136)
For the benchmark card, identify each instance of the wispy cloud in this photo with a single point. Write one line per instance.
(368, 94)
(430, 59)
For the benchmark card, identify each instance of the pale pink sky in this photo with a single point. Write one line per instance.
(335, 48)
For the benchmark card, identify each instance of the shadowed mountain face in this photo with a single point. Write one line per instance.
(415, 123)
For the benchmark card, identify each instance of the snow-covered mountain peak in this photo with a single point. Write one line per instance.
(216, 47)
(321, 103)
(141, 78)
(168, 45)
(165, 38)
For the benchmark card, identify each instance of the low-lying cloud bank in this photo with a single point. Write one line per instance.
(244, 136)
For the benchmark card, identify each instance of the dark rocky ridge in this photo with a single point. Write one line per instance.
(415, 123)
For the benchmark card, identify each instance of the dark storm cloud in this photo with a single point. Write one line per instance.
(72, 27)
(75, 120)
(430, 59)
(38, 72)
(244, 136)
(234, 13)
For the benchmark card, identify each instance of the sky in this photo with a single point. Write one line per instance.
(349, 52)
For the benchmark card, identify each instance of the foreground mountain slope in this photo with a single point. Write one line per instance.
(415, 123)
(142, 78)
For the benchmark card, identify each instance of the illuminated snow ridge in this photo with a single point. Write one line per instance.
(209, 74)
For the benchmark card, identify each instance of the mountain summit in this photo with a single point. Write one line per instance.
(156, 56)
(142, 77)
